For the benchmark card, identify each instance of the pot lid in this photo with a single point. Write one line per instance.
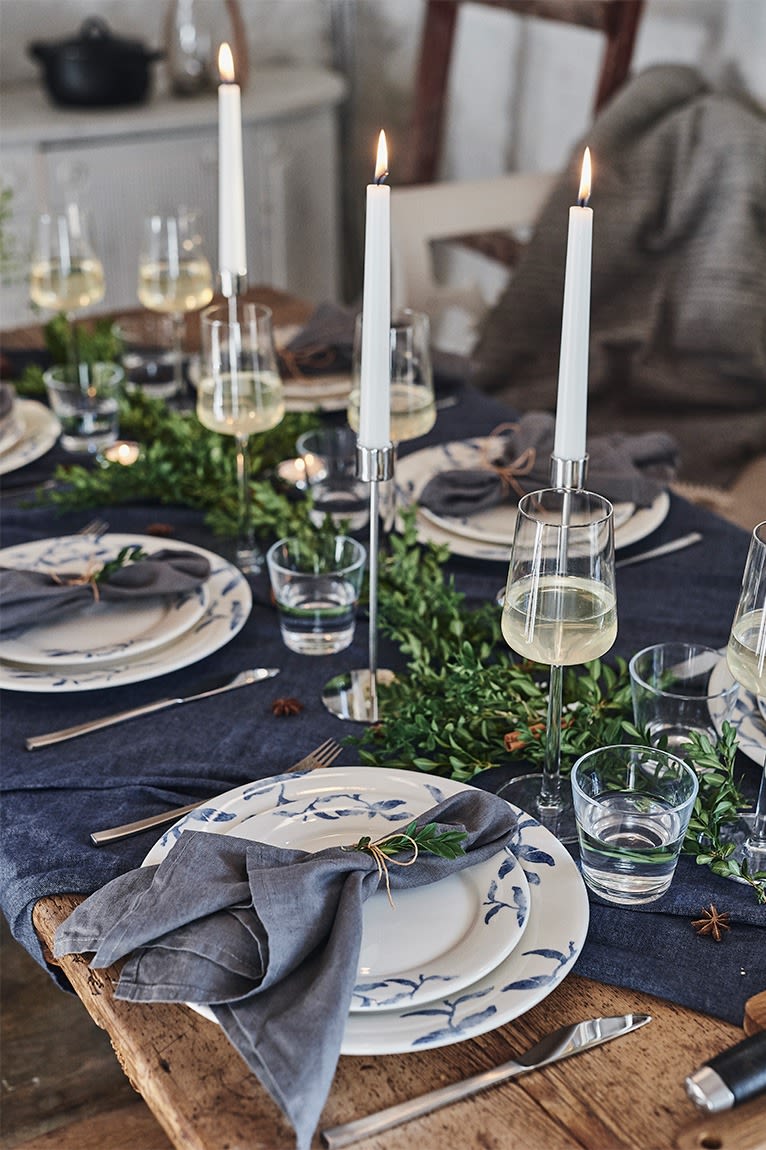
(94, 33)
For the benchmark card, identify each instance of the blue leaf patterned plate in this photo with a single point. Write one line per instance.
(225, 613)
(97, 632)
(319, 808)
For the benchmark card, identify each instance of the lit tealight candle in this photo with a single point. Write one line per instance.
(572, 400)
(124, 451)
(293, 472)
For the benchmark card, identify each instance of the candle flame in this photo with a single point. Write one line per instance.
(585, 180)
(381, 164)
(226, 63)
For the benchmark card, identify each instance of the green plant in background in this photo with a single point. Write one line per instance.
(96, 343)
(10, 260)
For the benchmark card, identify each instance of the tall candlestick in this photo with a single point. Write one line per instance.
(572, 401)
(375, 379)
(232, 257)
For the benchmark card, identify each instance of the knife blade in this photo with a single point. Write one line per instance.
(560, 1044)
(216, 687)
(731, 1077)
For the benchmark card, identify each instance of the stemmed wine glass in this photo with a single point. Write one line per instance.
(65, 275)
(559, 608)
(240, 394)
(413, 409)
(174, 275)
(746, 656)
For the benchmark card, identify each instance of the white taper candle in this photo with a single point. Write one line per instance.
(232, 253)
(375, 378)
(572, 400)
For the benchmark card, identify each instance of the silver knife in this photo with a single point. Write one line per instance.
(664, 549)
(561, 1044)
(230, 683)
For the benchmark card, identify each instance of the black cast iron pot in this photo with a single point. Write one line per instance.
(95, 69)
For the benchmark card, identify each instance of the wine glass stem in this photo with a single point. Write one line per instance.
(245, 535)
(757, 837)
(550, 789)
(178, 352)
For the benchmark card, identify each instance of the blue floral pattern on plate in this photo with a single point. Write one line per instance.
(556, 919)
(228, 605)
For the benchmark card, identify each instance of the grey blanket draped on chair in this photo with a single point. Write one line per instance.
(678, 311)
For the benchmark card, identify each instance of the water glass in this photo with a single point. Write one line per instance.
(85, 397)
(148, 354)
(316, 586)
(680, 688)
(632, 806)
(329, 456)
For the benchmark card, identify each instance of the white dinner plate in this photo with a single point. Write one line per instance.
(441, 937)
(229, 601)
(489, 534)
(41, 430)
(748, 716)
(98, 632)
(558, 905)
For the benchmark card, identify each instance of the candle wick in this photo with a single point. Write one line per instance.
(583, 201)
(381, 179)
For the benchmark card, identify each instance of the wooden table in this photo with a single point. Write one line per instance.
(626, 1095)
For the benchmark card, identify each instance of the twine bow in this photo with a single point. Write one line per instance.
(89, 577)
(382, 860)
(508, 472)
(315, 356)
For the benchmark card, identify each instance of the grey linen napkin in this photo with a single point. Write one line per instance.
(268, 936)
(32, 597)
(623, 468)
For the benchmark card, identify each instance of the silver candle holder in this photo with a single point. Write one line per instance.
(354, 694)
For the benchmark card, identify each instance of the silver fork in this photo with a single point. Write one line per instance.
(96, 527)
(326, 753)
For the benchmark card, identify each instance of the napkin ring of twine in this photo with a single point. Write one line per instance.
(383, 860)
(315, 356)
(88, 578)
(509, 472)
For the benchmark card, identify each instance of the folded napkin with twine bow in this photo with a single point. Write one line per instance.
(269, 937)
(32, 597)
(623, 468)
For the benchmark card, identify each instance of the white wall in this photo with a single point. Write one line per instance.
(521, 90)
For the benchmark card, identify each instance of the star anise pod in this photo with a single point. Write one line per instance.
(286, 706)
(713, 922)
(164, 530)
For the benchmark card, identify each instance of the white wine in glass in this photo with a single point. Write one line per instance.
(746, 656)
(240, 394)
(413, 410)
(560, 608)
(65, 273)
(174, 275)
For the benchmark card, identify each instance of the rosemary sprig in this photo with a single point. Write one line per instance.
(133, 553)
(428, 839)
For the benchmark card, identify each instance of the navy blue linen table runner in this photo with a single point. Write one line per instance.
(53, 798)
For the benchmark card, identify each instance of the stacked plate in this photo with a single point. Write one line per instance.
(29, 431)
(454, 959)
(489, 534)
(112, 644)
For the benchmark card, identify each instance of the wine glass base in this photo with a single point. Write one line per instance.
(524, 792)
(348, 695)
(745, 849)
(250, 560)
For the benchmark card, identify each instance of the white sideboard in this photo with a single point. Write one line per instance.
(122, 163)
